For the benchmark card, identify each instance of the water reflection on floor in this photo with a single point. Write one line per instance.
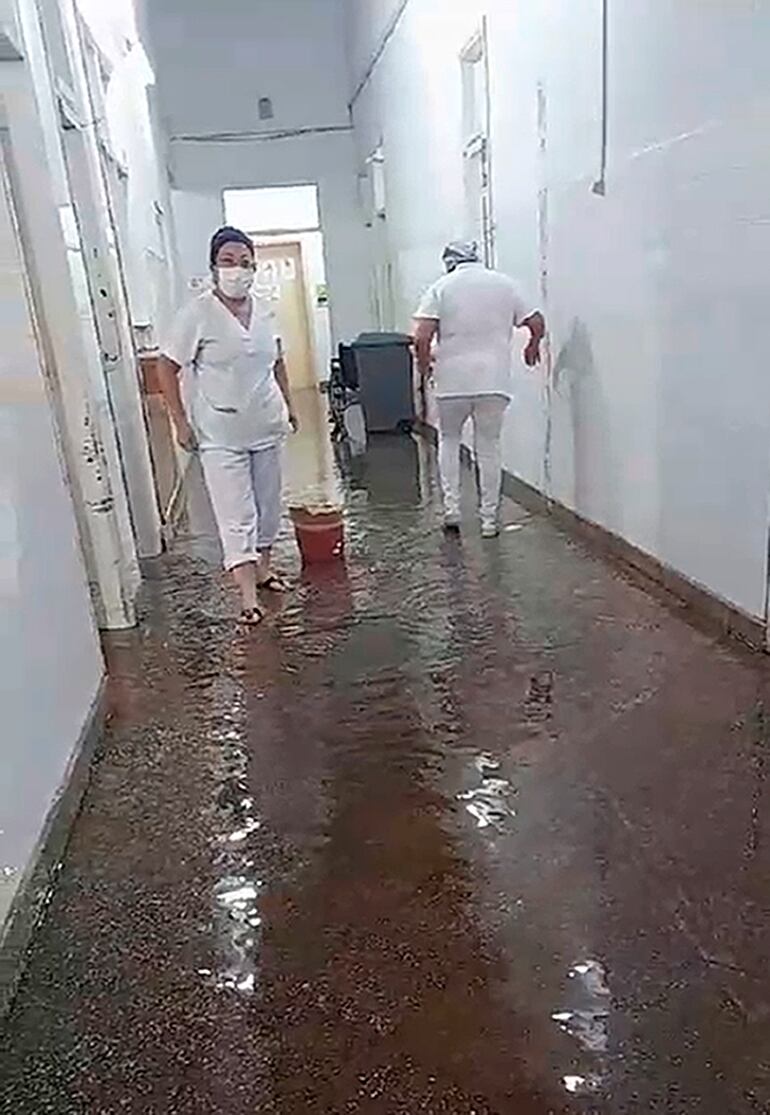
(468, 827)
(310, 473)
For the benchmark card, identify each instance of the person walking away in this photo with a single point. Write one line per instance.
(241, 412)
(471, 313)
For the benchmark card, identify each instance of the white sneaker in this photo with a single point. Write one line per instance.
(489, 528)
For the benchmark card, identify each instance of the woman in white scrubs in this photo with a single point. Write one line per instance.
(241, 412)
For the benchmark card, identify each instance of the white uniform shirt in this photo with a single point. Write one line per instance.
(237, 403)
(477, 311)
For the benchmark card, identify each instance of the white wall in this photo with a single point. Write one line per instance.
(197, 215)
(144, 246)
(112, 25)
(129, 130)
(660, 414)
(367, 23)
(50, 663)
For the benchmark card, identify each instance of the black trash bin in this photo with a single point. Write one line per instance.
(384, 363)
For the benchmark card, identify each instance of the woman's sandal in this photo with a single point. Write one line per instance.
(251, 617)
(274, 583)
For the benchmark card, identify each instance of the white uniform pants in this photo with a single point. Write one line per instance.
(486, 412)
(245, 491)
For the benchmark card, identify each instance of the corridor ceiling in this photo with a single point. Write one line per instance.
(214, 61)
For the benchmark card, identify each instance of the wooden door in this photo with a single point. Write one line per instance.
(280, 278)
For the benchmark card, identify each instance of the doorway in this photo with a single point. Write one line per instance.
(103, 301)
(281, 281)
(477, 170)
(284, 223)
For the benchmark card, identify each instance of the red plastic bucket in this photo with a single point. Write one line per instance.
(320, 534)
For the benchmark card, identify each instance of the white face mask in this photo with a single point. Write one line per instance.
(235, 282)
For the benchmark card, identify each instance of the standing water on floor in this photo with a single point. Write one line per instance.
(465, 827)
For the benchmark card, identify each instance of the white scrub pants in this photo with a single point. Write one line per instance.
(245, 491)
(486, 412)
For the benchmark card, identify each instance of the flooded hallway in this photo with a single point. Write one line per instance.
(467, 827)
(471, 817)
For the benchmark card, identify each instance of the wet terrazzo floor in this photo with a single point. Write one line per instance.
(467, 827)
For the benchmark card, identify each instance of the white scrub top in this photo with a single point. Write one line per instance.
(477, 311)
(237, 403)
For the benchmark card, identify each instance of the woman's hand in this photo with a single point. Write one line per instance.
(535, 323)
(532, 352)
(185, 435)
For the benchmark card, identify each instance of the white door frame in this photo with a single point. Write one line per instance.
(112, 324)
(79, 435)
(477, 143)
